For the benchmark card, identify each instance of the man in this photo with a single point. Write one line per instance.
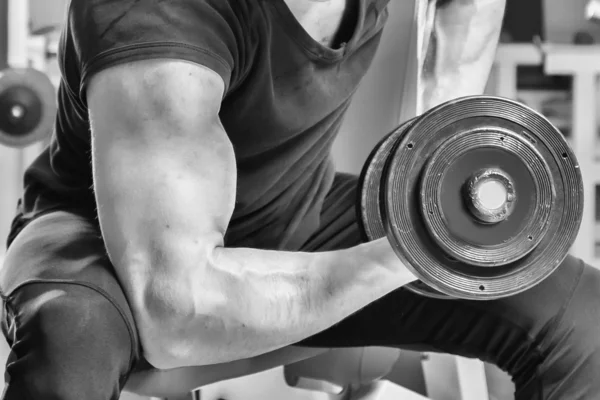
(201, 220)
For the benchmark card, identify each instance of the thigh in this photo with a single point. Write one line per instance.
(64, 249)
(66, 342)
(338, 228)
(546, 337)
(68, 323)
(61, 247)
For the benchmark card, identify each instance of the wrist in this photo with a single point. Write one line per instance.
(382, 258)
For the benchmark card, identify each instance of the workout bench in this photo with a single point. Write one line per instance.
(332, 374)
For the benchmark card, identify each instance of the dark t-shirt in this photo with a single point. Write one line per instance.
(284, 101)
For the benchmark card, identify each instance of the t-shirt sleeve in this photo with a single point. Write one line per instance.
(109, 32)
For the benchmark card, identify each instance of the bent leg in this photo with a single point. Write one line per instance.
(547, 338)
(67, 342)
(65, 317)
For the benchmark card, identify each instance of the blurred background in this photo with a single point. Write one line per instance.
(549, 59)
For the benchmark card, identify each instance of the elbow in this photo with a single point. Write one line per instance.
(157, 349)
(162, 309)
(162, 328)
(176, 332)
(180, 343)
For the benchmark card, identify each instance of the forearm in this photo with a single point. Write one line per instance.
(462, 50)
(271, 299)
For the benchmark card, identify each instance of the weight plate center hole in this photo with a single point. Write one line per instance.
(492, 194)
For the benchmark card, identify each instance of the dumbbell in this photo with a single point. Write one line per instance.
(480, 197)
(27, 106)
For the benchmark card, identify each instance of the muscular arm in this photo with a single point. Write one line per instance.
(461, 50)
(165, 182)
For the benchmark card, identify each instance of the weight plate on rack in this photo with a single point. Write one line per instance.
(27, 106)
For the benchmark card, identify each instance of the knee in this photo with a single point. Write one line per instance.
(569, 344)
(568, 302)
(582, 314)
(67, 341)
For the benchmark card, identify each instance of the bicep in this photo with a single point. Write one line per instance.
(467, 30)
(164, 169)
(463, 44)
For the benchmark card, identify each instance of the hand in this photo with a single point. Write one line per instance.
(382, 253)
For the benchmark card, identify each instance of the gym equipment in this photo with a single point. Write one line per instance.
(4, 34)
(27, 95)
(481, 197)
(370, 219)
(328, 371)
(27, 106)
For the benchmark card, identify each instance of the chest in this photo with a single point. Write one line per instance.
(295, 93)
(329, 22)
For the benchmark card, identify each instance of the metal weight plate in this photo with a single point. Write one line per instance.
(27, 106)
(437, 211)
(369, 211)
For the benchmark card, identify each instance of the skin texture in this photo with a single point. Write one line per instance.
(196, 302)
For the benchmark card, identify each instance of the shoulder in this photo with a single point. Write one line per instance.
(212, 33)
(103, 16)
